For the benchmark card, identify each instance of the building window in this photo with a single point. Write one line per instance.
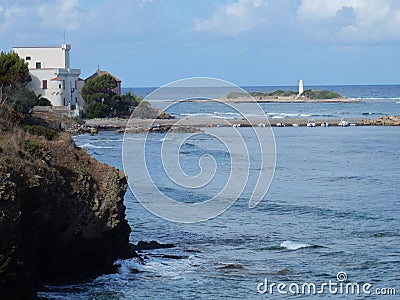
(38, 65)
(44, 84)
(64, 102)
(28, 58)
(59, 86)
(76, 84)
(64, 84)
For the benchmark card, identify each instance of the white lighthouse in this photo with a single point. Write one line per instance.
(301, 88)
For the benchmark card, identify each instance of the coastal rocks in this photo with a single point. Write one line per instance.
(159, 129)
(62, 216)
(385, 121)
(142, 245)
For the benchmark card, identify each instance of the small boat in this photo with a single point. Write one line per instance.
(236, 125)
(280, 125)
(311, 124)
(295, 124)
(343, 123)
(324, 124)
(261, 125)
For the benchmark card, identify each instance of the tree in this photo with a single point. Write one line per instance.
(103, 102)
(99, 89)
(22, 100)
(14, 73)
(97, 110)
(44, 102)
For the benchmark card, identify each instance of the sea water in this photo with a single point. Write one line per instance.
(333, 206)
(373, 101)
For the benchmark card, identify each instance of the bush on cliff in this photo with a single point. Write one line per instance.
(103, 102)
(39, 130)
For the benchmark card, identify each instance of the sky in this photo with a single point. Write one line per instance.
(150, 43)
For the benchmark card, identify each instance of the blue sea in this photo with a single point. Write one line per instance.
(374, 101)
(333, 208)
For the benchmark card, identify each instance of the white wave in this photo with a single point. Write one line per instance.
(290, 245)
(226, 113)
(375, 98)
(91, 146)
(111, 141)
(286, 115)
(158, 267)
(134, 137)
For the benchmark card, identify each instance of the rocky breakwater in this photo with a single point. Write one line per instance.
(62, 216)
(383, 121)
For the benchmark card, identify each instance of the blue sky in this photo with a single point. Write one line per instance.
(247, 42)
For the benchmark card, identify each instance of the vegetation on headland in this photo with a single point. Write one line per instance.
(104, 102)
(308, 94)
(14, 75)
(61, 211)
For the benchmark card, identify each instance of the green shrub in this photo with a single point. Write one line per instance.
(321, 94)
(39, 130)
(34, 148)
(97, 110)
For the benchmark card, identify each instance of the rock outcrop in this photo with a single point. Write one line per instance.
(62, 216)
(384, 121)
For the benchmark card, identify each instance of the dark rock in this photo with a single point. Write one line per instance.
(284, 272)
(232, 267)
(175, 256)
(150, 246)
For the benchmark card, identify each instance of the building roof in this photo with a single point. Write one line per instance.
(57, 78)
(45, 47)
(100, 72)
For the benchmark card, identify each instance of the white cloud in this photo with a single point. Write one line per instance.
(333, 21)
(38, 22)
(352, 20)
(67, 14)
(235, 18)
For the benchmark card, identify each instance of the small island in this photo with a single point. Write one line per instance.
(288, 96)
(279, 94)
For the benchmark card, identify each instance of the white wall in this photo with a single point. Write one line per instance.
(48, 57)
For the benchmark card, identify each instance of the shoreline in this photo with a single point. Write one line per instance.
(157, 125)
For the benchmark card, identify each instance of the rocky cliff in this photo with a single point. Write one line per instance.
(62, 215)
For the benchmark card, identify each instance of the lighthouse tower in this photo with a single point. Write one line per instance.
(301, 88)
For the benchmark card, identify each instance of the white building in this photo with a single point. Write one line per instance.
(52, 76)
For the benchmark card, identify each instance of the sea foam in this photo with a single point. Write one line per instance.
(290, 245)
(89, 145)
